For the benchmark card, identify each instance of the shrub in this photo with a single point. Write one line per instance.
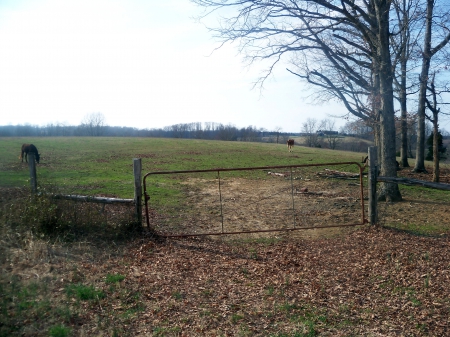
(441, 148)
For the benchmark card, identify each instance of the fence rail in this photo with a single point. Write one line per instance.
(415, 182)
(137, 201)
(99, 200)
(374, 179)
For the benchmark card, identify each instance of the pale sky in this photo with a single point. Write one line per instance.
(144, 64)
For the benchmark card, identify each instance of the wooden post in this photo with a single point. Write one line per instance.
(32, 167)
(373, 175)
(137, 171)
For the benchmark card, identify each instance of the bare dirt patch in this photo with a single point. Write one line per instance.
(249, 205)
(309, 200)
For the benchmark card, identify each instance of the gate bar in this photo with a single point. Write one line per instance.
(261, 231)
(292, 196)
(361, 168)
(220, 197)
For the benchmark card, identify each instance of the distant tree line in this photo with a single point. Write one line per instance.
(198, 130)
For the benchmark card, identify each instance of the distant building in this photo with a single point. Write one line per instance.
(322, 133)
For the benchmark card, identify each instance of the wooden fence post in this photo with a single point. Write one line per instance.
(32, 167)
(137, 171)
(373, 175)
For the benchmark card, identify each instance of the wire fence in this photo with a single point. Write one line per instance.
(421, 209)
(254, 200)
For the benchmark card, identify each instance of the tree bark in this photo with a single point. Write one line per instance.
(388, 191)
(435, 150)
(426, 55)
(403, 118)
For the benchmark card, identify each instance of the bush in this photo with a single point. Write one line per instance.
(71, 220)
(441, 148)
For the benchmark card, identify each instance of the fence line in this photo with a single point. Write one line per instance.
(99, 200)
(137, 172)
(415, 182)
(374, 179)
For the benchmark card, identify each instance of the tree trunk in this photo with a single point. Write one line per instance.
(426, 55)
(404, 123)
(388, 191)
(435, 150)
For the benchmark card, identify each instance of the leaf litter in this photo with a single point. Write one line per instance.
(371, 282)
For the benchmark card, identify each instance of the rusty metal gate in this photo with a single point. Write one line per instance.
(254, 199)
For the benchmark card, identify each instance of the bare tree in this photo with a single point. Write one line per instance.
(93, 124)
(277, 131)
(442, 37)
(411, 124)
(340, 47)
(432, 105)
(404, 45)
(330, 134)
(309, 130)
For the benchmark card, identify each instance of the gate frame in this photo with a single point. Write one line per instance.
(218, 170)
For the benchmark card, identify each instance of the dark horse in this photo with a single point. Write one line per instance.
(29, 148)
(290, 144)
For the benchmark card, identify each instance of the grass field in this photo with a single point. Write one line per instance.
(104, 165)
(91, 275)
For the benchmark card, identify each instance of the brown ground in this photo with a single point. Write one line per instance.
(248, 205)
(444, 174)
(366, 283)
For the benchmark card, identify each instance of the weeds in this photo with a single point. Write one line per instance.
(71, 221)
(59, 331)
(235, 318)
(83, 292)
(114, 278)
(177, 295)
(270, 290)
(25, 306)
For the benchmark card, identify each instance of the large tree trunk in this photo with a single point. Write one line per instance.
(404, 123)
(434, 109)
(435, 150)
(388, 191)
(426, 55)
(404, 139)
(403, 11)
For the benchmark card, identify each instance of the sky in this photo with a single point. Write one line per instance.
(143, 64)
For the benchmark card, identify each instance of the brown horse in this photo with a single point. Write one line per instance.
(29, 148)
(290, 144)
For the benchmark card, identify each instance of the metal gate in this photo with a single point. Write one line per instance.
(254, 199)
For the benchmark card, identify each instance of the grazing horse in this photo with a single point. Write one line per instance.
(290, 144)
(29, 148)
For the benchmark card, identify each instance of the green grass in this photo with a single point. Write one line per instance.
(417, 193)
(26, 307)
(59, 331)
(83, 292)
(104, 165)
(114, 278)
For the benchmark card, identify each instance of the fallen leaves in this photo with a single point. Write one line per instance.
(369, 282)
